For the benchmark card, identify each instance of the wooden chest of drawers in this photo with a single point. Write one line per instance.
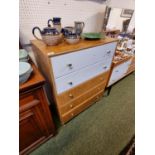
(76, 73)
(35, 121)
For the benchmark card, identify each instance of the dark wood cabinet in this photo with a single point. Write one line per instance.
(35, 121)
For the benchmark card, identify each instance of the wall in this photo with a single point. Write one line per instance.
(125, 4)
(37, 12)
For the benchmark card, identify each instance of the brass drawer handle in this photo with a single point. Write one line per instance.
(99, 88)
(102, 78)
(71, 105)
(71, 96)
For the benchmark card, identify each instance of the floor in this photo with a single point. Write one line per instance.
(103, 129)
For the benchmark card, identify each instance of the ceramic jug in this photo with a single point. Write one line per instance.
(79, 27)
(56, 21)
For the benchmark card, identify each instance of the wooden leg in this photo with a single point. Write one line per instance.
(108, 91)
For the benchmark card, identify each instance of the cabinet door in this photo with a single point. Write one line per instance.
(32, 128)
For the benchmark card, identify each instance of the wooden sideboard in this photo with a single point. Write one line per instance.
(35, 121)
(76, 73)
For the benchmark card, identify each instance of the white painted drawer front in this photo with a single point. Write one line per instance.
(107, 53)
(67, 63)
(118, 72)
(75, 78)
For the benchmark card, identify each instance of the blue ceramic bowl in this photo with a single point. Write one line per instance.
(25, 71)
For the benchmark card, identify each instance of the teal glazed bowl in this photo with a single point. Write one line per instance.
(25, 71)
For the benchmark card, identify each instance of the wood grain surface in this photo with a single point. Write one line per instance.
(66, 48)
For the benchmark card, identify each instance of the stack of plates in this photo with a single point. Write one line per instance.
(25, 71)
(23, 55)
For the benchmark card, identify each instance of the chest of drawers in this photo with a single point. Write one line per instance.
(77, 74)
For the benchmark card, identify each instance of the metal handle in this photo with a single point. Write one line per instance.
(33, 32)
(101, 78)
(71, 95)
(108, 52)
(71, 105)
(70, 83)
(83, 25)
(105, 67)
(70, 66)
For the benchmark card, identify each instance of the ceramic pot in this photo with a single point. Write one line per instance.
(49, 35)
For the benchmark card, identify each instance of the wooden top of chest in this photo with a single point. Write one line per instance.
(63, 47)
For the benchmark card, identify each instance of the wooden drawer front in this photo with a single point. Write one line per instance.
(73, 79)
(27, 98)
(67, 63)
(73, 93)
(119, 71)
(75, 111)
(77, 101)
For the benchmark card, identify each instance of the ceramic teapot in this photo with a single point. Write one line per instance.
(49, 35)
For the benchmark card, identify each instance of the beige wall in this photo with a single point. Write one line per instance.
(37, 12)
(126, 4)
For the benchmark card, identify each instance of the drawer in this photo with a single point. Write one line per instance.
(77, 101)
(73, 93)
(28, 98)
(71, 62)
(75, 111)
(73, 79)
(119, 72)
